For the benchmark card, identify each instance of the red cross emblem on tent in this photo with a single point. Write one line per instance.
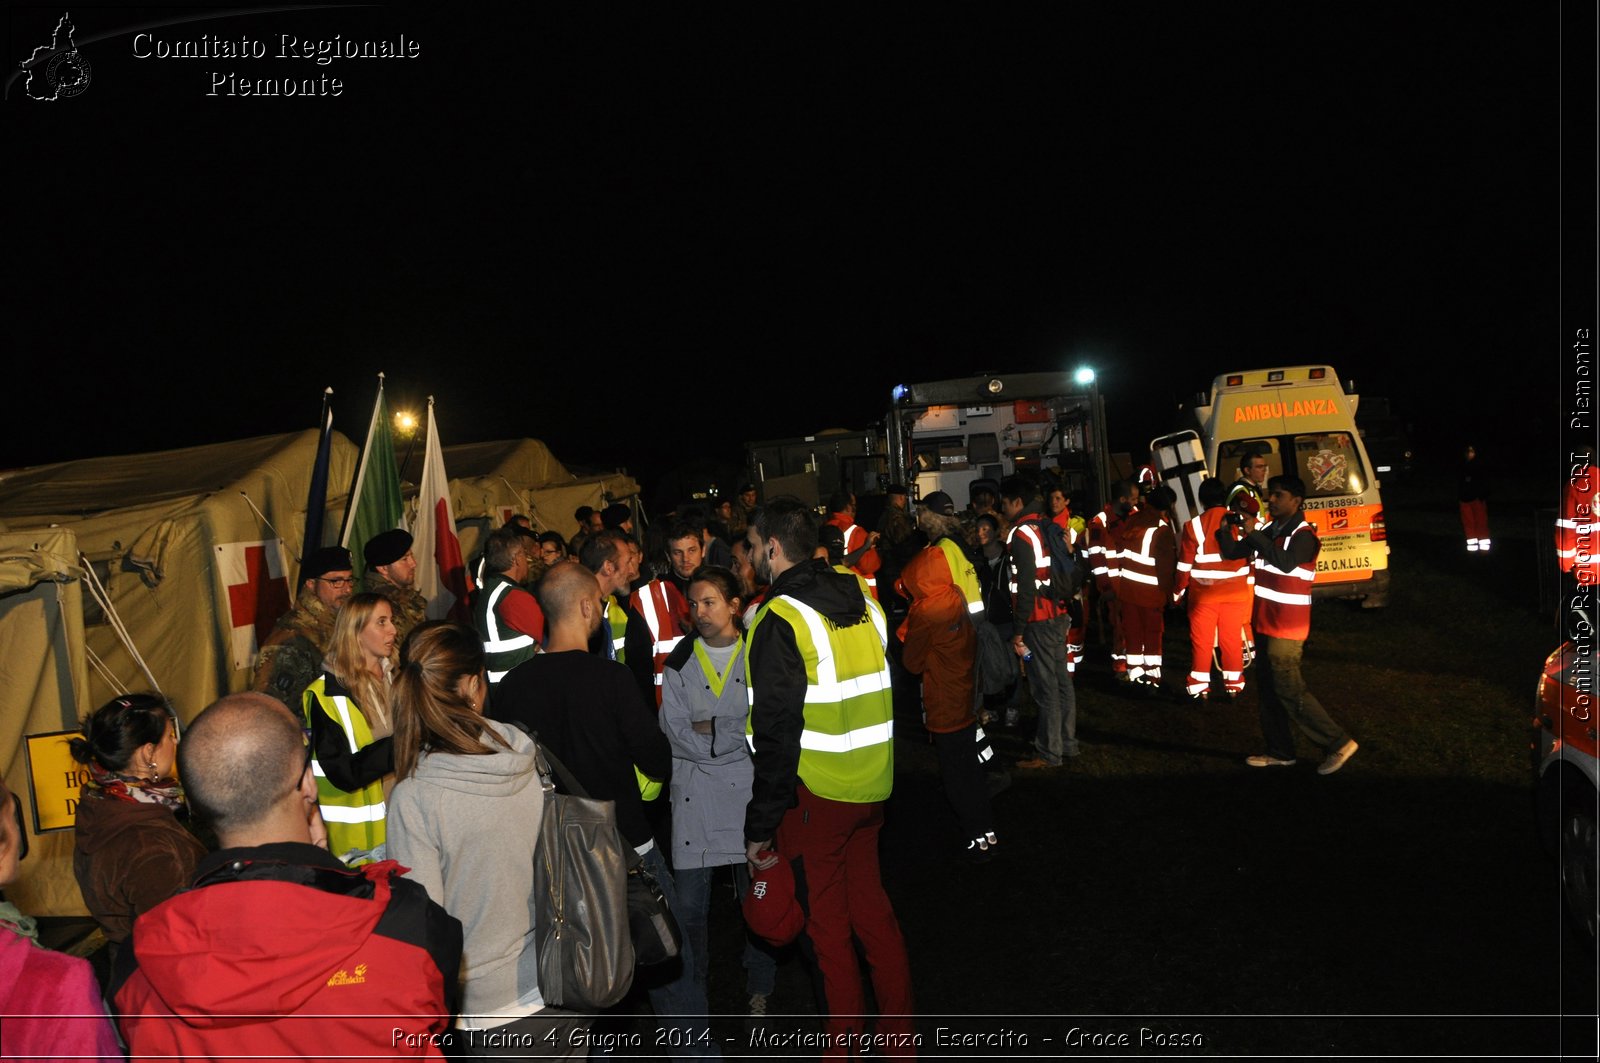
(258, 593)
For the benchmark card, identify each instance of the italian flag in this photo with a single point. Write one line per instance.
(375, 502)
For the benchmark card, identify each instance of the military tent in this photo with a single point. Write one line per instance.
(489, 482)
(166, 571)
(196, 550)
(43, 691)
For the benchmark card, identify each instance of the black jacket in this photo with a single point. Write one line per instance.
(778, 679)
(590, 712)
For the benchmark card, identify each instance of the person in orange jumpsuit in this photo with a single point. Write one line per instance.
(941, 644)
(1220, 592)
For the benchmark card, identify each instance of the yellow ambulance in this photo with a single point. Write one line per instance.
(1303, 421)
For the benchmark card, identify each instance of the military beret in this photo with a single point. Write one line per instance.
(387, 547)
(323, 560)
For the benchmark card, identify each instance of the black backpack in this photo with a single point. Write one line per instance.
(1069, 571)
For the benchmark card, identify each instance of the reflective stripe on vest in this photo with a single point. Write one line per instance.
(361, 814)
(962, 574)
(1144, 558)
(846, 747)
(1208, 570)
(501, 653)
(355, 819)
(869, 578)
(493, 643)
(1041, 557)
(1202, 556)
(617, 618)
(655, 604)
(1096, 550)
(1283, 599)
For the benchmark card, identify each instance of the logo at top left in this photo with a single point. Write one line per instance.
(57, 70)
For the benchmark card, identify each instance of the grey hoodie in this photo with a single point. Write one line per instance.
(466, 827)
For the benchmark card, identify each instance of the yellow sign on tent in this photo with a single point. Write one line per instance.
(57, 780)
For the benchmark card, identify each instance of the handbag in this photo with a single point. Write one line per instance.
(580, 897)
(589, 848)
(656, 935)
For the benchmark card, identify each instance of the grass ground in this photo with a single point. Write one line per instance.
(1400, 907)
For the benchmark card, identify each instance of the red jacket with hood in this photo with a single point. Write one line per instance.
(281, 950)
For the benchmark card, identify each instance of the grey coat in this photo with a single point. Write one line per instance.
(711, 773)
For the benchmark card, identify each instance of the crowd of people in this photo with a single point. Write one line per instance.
(726, 679)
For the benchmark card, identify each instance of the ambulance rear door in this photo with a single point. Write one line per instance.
(1304, 424)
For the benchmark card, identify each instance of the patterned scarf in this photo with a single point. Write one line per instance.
(21, 925)
(131, 788)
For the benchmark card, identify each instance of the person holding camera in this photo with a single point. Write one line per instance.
(1285, 560)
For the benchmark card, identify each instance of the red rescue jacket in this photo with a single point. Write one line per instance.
(279, 951)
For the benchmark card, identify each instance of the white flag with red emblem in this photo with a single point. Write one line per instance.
(442, 576)
(253, 577)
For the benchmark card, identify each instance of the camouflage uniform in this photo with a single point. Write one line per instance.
(291, 658)
(410, 608)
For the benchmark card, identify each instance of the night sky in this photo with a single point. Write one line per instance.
(648, 234)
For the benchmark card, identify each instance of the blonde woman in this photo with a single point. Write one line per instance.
(347, 711)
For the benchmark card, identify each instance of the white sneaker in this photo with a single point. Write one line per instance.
(1336, 759)
(758, 1005)
(1261, 760)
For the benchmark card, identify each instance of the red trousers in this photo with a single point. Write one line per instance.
(1119, 641)
(836, 845)
(1475, 522)
(1221, 624)
(1142, 628)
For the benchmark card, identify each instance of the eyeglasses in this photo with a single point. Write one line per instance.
(337, 581)
(301, 774)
